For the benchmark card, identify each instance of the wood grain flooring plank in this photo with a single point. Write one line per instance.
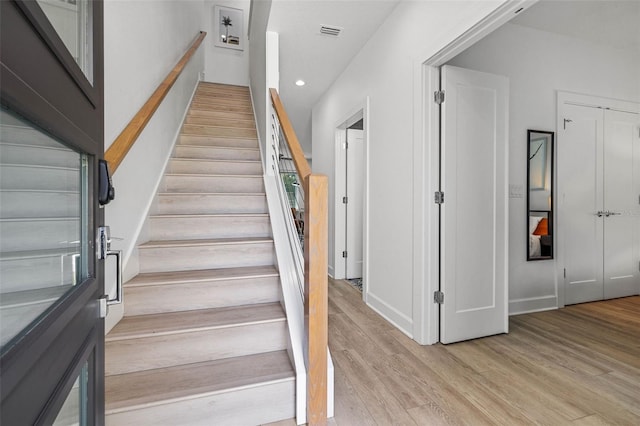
(578, 365)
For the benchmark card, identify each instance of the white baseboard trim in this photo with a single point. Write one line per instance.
(532, 304)
(331, 272)
(391, 314)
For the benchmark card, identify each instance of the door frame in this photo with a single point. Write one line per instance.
(359, 111)
(52, 93)
(426, 169)
(584, 100)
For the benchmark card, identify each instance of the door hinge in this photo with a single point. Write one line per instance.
(565, 273)
(345, 200)
(344, 254)
(438, 297)
(438, 96)
(438, 197)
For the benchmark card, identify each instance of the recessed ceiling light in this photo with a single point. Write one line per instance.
(300, 83)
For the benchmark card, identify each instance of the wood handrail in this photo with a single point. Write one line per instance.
(316, 233)
(302, 166)
(123, 143)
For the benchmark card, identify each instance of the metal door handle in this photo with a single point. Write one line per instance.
(613, 213)
(118, 298)
(601, 213)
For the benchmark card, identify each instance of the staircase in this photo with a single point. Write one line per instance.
(204, 337)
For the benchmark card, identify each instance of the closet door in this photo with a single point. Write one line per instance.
(621, 199)
(580, 180)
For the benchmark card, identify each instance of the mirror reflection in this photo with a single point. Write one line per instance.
(540, 194)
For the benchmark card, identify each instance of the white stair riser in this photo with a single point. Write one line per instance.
(223, 122)
(211, 203)
(218, 184)
(188, 258)
(216, 141)
(207, 227)
(29, 273)
(229, 132)
(245, 406)
(24, 177)
(243, 105)
(221, 114)
(36, 155)
(26, 135)
(35, 234)
(15, 318)
(224, 108)
(215, 167)
(155, 299)
(215, 153)
(27, 204)
(125, 356)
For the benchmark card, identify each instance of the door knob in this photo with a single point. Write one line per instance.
(601, 213)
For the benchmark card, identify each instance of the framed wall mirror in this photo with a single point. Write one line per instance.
(539, 195)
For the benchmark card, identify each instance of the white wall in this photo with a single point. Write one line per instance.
(222, 65)
(385, 70)
(539, 63)
(142, 42)
(258, 67)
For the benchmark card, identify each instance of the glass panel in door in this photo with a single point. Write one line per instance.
(72, 21)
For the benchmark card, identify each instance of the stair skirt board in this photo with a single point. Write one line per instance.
(261, 403)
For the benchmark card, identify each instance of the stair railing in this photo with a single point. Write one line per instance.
(123, 143)
(304, 200)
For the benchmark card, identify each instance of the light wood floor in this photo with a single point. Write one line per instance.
(579, 365)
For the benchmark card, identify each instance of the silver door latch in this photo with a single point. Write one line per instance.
(104, 250)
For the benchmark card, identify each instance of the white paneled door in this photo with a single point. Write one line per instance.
(474, 215)
(355, 205)
(599, 201)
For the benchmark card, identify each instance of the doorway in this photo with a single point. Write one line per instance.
(350, 200)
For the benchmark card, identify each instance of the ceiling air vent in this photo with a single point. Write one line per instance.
(330, 31)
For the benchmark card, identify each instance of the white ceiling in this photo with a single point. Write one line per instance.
(612, 22)
(318, 59)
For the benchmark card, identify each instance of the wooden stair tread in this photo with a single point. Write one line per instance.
(204, 242)
(152, 387)
(209, 160)
(217, 147)
(232, 194)
(161, 278)
(214, 175)
(140, 326)
(211, 215)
